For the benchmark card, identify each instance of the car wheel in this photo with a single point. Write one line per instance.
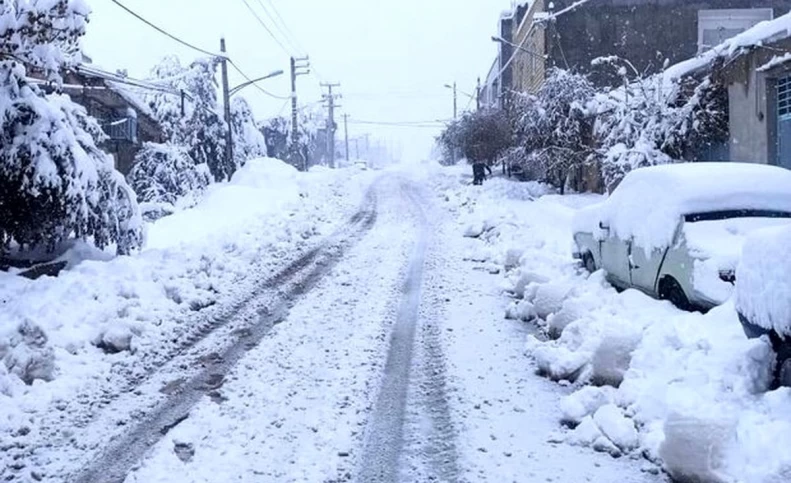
(588, 262)
(671, 291)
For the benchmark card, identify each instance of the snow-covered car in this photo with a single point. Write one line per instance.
(676, 231)
(763, 293)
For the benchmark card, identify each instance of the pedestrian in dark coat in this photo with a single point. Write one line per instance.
(478, 173)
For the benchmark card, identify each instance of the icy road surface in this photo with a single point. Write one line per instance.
(379, 356)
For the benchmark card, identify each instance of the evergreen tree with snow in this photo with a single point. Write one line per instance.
(55, 183)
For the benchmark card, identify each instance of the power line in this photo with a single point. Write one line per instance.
(164, 32)
(277, 24)
(254, 84)
(288, 30)
(263, 24)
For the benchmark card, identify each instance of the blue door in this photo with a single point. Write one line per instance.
(784, 122)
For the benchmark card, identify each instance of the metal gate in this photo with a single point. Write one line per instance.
(784, 122)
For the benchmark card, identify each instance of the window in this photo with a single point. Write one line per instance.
(717, 26)
(784, 97)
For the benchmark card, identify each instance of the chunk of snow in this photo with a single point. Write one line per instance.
(584, 403)
(618, 428)
(521, 310)
(474, 230)
(695, 447)
(585, 434)
(524, 280)
(549, 298)
(612, 358)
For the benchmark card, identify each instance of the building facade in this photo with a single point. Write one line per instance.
(651, 34)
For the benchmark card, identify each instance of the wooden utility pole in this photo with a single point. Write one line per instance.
(346, 133)
(331, 126)
(299, 66)
(226, 99)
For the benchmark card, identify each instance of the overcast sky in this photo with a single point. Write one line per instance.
(391, 57)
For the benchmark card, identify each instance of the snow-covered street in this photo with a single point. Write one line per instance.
(379, 354)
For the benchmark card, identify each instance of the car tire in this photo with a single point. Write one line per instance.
(588, 262)
(671, 291)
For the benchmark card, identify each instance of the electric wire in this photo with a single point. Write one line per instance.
(164, 32)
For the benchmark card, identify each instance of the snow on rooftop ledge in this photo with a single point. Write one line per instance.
(766, 31)
(650, 202)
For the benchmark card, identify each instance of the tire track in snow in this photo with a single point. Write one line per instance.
(413, 387)
(300, 277)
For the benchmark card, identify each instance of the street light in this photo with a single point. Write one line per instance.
(501, 40)
(253, 81)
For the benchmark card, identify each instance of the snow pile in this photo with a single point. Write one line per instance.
(686, 390)
(101, 313)
(650, 202)
(764, 280)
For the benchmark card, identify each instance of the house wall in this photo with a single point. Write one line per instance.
(752, 103)
(747, 120)
(647, 32)
(529, 71)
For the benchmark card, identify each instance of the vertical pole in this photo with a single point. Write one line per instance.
(455, 111)
(331, 129)
(183, 111)
(294, 133)
(346, 133)
(226, 96)
(478, 96)
(357, 148)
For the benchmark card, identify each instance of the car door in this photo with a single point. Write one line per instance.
(615, 258)
(644, 267)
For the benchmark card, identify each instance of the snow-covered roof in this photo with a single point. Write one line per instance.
(649, 203)
(761, 34)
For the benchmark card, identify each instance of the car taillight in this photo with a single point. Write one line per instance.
(728, 276)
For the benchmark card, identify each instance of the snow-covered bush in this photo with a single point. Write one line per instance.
(55, 183)
(165, 173)
(248, 140)
(650, 121)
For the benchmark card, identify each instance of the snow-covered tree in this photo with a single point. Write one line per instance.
(201, 129)
(165, 173)
(483, 136)
(55, 183)
(248, 140)
(276, 134)
(554, 127)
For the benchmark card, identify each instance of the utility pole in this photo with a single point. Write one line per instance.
(226, 99)
(299, 66)
(478, 96)
(455, 100)
(331, 126)
(346, 133)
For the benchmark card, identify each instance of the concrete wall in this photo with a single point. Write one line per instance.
(647, 32)
(752, 103)
(747, 120)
